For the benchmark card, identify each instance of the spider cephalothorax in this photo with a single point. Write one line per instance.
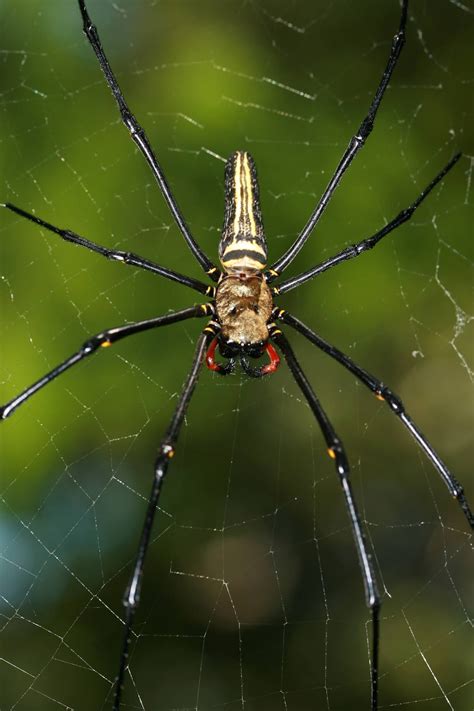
(244, 307)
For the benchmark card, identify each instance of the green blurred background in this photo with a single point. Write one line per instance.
(252, 595)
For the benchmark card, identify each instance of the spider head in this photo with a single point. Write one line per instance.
(254, 350)
(232, 350)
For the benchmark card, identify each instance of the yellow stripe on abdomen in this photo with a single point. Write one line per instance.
(243, 244)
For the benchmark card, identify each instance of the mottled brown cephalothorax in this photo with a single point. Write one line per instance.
(244, 306)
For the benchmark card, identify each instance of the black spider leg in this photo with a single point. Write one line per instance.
(141, 139)
(117, 255)
(355, 144)
(336, 452)
(355, 249)
(103, 339)
(382, 392)
(132, 594)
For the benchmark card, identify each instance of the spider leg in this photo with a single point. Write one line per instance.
(117, 255)
(382, 392)
(140, 138)
(103, 339)
(366, 244)
(166, 451)
(337, 453)
(355, 144)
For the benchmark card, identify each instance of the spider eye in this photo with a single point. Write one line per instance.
(255, 308)
(233, 311)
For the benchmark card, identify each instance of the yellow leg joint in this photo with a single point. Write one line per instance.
(168, 451)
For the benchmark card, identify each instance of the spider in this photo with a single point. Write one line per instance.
(243, 323)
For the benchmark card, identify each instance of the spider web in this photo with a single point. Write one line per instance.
(252, 595)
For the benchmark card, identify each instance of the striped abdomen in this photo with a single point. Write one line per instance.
(243, 245)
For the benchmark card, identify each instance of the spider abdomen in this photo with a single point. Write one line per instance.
(243, 245)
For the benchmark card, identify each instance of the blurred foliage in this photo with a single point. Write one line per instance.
(252, 591)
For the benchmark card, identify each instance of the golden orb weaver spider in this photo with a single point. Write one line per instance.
(244, 319)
